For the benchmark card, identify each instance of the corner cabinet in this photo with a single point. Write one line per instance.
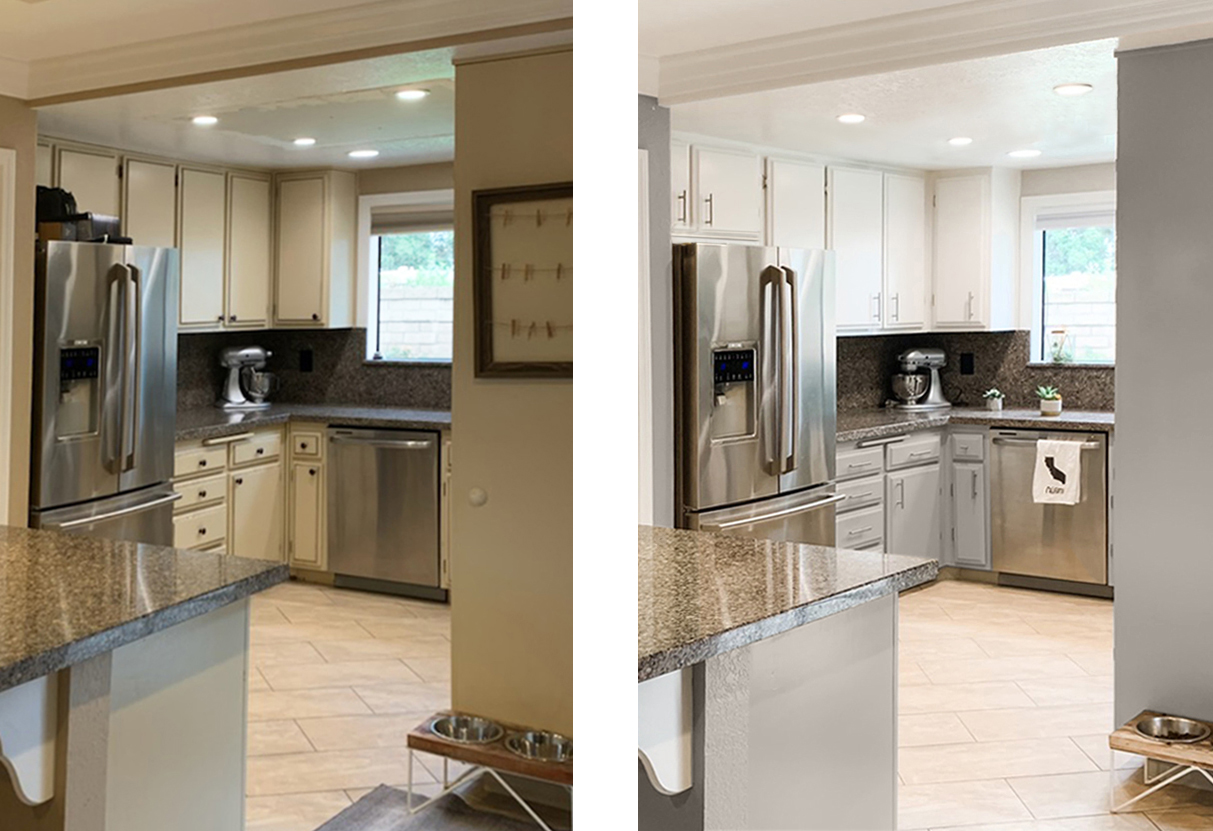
(315, 248)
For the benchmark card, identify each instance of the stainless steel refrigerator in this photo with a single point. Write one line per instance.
(755, 400)
(105, 389)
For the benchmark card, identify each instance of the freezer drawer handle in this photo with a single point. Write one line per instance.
(821, 503)
(89, 520)
(1086, 445)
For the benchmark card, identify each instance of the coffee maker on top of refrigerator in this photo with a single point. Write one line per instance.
(755, 398)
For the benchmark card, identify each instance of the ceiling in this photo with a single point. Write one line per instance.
(1003, 103)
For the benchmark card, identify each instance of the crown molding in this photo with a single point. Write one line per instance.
(366, 30)
(14, 78)
(976, 29)
(649, 74)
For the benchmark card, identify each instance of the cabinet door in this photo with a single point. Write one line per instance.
(969, 514)
(307, 516)
(248, 251)
(150, 213)
(796, 203)
(92, 178)
(856, 222)
(44, 167)
(202, 225)
(905, 255)
(962, 259)
(729, 192)
(680, 186)
(255, 511)
(301, 233)
(912, 512)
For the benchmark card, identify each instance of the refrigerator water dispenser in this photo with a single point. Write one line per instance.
(733, 411)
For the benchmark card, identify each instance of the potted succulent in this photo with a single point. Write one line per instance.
(993, 398)
(1050, 401)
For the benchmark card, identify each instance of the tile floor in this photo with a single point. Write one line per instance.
(1006, 703)
(338, 679)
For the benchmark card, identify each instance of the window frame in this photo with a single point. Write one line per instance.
(1031, 258)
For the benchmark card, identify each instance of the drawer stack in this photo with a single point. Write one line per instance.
(860, 522)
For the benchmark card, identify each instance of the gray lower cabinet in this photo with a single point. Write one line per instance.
(912, 500)
(969, 514)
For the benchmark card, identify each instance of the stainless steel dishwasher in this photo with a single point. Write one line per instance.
(383, 510)
(1064, 543)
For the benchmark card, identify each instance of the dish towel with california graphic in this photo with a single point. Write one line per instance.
(1058, 472)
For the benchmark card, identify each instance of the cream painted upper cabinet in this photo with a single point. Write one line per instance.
(91, 176)
(249, 206)
(905, 241)
(44, 165)
(255, 511)
(202, 201)
(855, 205)
(315, 249)
(796, 204)
(150, 202)
(728, 193)
(680, 186)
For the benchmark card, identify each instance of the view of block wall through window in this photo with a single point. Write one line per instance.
(416, 296)
(1079, 294)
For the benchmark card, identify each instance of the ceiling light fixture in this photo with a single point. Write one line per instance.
(304, 141)
(1072, 89)
(960, 141)
(205, 120)
(363, 154)
(851, 118)
(412, 94)
(1024, 154)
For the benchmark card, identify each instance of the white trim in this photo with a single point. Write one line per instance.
(648, 75)
(14, 78)
(8, 216)
(1031, 249)
(645, 373)
(367, 288)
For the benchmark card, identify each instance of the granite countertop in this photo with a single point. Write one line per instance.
(855, 425)
(210, 422)
(67, 598)
(703, 594)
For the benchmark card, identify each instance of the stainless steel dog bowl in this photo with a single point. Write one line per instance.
(909, 387)
(541, 746)
(1173, 729)
(467, 729)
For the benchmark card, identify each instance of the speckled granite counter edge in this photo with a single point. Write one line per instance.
(211, 431)
(879, 431)
(659, 663)
(107, 640)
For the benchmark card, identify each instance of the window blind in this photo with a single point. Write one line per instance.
(402, 219)
(1075, 219)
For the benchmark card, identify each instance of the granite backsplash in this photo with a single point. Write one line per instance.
(1000, 359)
(340, 372)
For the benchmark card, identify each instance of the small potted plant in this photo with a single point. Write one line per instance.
(1050, 401)
(993, 398)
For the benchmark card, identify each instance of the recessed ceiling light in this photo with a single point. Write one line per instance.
(1024, 154)
(412, 94)
(304, 141)
(960, 141)
(363, 154)
(1072, 89)
(205, 120)
(851, 118)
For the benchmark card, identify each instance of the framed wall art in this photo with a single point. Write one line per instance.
(523, 263)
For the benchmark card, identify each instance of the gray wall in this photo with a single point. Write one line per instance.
(654, 130)
(1164, 382)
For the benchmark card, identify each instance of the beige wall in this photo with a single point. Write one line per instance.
(512, 558)
(19, 131)
(1078, 179)
(406, 179)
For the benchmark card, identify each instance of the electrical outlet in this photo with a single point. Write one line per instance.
(306, 360)
(966, 363)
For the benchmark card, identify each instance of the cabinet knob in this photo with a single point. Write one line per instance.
(311, 471)
(202, 532)
(220, 318)
(202, 494)
(260, 451)
(303, 445)
(477, 497)
(315, 317)
(232, 318)
(202, 463)
(239, 481)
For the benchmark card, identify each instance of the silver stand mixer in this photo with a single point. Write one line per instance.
(915, 390)
(247, 385)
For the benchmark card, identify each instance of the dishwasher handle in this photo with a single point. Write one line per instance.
(400, 444)
(1086, 445)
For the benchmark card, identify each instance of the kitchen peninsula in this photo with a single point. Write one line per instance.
(123, 679)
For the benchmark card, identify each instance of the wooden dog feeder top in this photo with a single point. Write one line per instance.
(1128, 740)
(494, 755)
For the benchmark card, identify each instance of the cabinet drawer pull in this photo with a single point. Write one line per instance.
(202, 494)
(711, 210)
(862, 495)
(921, 453)
(859, 531)
(303, 445)
(235, 437)
(202, 532)
(853, 466)
(260, 451)
(682, 206)
(239, 481)
(315, 317)
(311, 471)
(202, 463)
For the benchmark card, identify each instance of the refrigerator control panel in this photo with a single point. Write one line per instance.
(79, 363)
(733, 365)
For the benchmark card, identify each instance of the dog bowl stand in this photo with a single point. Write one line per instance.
(1184, 758)
(492, 759)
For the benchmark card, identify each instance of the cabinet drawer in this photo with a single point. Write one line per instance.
(260, 448)
(861, 493)
(200, 528)
(217, 548)
(968, 446)
(918, 450)
(200, 491)
(305, 444)
(860, 462)
(860, 528)
(197, 460)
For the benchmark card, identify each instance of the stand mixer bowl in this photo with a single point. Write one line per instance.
(909, 387)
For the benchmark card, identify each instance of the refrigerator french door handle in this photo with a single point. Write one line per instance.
(131, 336)
(790, 405)
(114, 395)
(772, 362)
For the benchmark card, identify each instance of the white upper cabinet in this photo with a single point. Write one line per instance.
(150, 202)
(91, 176)
(796, 204)
(202, 199)
(976, 224)
(855, 206)
(680, 186)
(316, 231)
(905, 241)
(249, 267)
(728, 193)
